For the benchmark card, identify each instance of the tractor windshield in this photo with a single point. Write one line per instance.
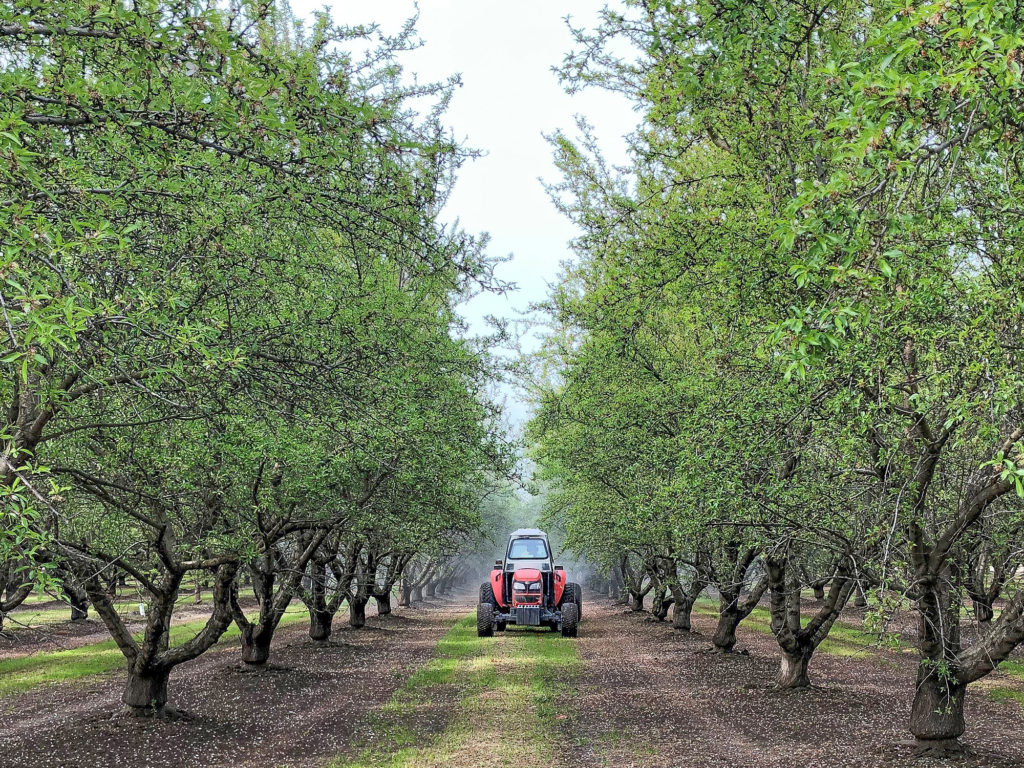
(527, 549)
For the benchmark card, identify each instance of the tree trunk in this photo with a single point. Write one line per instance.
(983, 611)
(405, 595)
(417, 595)
(79, 607)
(636, 601)
(145, 694)
(430, 589)
(198, 599)
(613, 590)
(860, 600)
(819, 590)
(256, 644)
(383, 603)
(937, 717)
(725, 633)
(357, 612)
(660, 604)
(320, 625)
(681, 610)
(793, 671)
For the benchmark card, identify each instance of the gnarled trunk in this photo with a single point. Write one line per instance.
(79, 607)
(660, 604)
(357, 612)
(937, 716)
(320, 625)
(405, 595)
(636, 600)
(255, 641)
(983, 610)
(145, 693)
(417, 594)
(383, 603)
(793, 671)
(682, 607)
(724, 638)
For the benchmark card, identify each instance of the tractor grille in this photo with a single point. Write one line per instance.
(526, 598)
(528, 615)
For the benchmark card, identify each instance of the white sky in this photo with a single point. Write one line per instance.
(509, 99)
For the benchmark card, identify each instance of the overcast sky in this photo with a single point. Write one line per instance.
(509, 99)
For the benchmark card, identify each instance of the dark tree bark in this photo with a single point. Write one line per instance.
(357, 612)
(733, 608)
(320, 625)
(151, 660)
(660, 603)
(797, 642)
(14, 589)
(273, 594)
(383, 603)
(684, 596)
(145, 692)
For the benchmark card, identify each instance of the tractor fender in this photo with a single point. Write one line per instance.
(496, 584)
(560, 581)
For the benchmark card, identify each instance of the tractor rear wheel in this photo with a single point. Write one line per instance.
(485, 620)
(487, 593)
(570, 620)
(577, 597)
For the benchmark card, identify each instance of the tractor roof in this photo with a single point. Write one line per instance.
(527, 533)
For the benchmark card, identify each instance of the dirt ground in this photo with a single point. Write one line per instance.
(308, 707)
(654, 697)
(645, 695)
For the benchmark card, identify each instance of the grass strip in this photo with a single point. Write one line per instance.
(508, 691)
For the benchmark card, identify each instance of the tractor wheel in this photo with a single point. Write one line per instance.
(487, 593)
(577, 597)
(570, 620)
(485, 620)
(499, 626)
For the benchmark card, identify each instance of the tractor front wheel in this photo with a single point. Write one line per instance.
(485, 620)
(570, 620)
(500, 626)
(487, 593)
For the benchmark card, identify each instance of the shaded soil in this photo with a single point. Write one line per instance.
(655, 697)
(310, 705)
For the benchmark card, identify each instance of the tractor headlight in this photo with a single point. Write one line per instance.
(535, 587)
(519, 586)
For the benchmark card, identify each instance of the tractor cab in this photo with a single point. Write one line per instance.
(527, 588)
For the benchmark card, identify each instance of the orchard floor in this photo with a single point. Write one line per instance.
(626, 693)
(654, 697)
(309, 705)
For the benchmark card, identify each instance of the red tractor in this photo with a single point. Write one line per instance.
(528, 589)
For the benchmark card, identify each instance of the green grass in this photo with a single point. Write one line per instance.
(22, 674)
(508, 693)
